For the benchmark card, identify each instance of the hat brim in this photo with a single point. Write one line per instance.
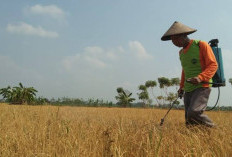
(168, 37)
(177, 28)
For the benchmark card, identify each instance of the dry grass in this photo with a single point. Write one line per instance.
(79, 131)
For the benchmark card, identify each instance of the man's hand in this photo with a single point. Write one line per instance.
(194, 80)
(180, 93)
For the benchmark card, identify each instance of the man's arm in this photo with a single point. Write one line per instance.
(181, 89)
(208, 62)
(182, 79)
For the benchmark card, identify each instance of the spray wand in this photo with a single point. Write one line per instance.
(180, 95)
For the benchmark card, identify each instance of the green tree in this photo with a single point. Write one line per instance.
(171, 97)
(144, 96)
(41, 101)
(18, 95)
(175, 82)
(27, 94)
(6, 93)
(151, 84)
(124, 97)
(164, 83)
(160, 98)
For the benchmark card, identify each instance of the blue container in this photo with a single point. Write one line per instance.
(218, 78)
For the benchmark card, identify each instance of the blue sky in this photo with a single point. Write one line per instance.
(86, 49)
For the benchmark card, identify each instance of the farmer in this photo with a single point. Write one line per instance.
(198, 66)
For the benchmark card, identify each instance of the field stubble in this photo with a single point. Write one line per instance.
(81, 131)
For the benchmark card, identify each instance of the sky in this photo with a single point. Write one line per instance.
(89, 48)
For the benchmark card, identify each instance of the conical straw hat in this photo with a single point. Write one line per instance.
(177, 28)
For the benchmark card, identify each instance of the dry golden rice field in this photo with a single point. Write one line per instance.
(43, 131)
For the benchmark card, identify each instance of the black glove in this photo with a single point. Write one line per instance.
(180, 93)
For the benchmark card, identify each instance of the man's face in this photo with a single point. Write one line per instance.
(178, 40)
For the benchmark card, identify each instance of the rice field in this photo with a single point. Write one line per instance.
(41, 131)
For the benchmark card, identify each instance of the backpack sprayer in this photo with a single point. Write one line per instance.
(218, 79)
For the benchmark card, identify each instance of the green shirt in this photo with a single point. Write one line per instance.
(191, 65)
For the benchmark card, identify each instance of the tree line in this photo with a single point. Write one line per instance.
(27, 95)
(20, 94)
(146, 94)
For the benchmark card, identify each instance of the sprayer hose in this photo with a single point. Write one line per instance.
(216, 101)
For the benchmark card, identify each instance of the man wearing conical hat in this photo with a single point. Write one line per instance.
(198, 66)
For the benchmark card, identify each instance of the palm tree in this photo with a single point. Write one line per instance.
(124, 97)
(18, 95)
(6, 92)
(27, 94)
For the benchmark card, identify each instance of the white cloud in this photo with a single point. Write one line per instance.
(95, 62)
(96, 57)
(26, 29)
(139, 50)
(70, 60)
(98, 52)
(50, 10)
(91, 58)
(97, 67)
(93, 51)
(111, 55)
(115, 53)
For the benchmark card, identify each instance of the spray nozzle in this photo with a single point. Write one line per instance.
(214, 42)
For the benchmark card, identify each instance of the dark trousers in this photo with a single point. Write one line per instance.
(195, 104)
